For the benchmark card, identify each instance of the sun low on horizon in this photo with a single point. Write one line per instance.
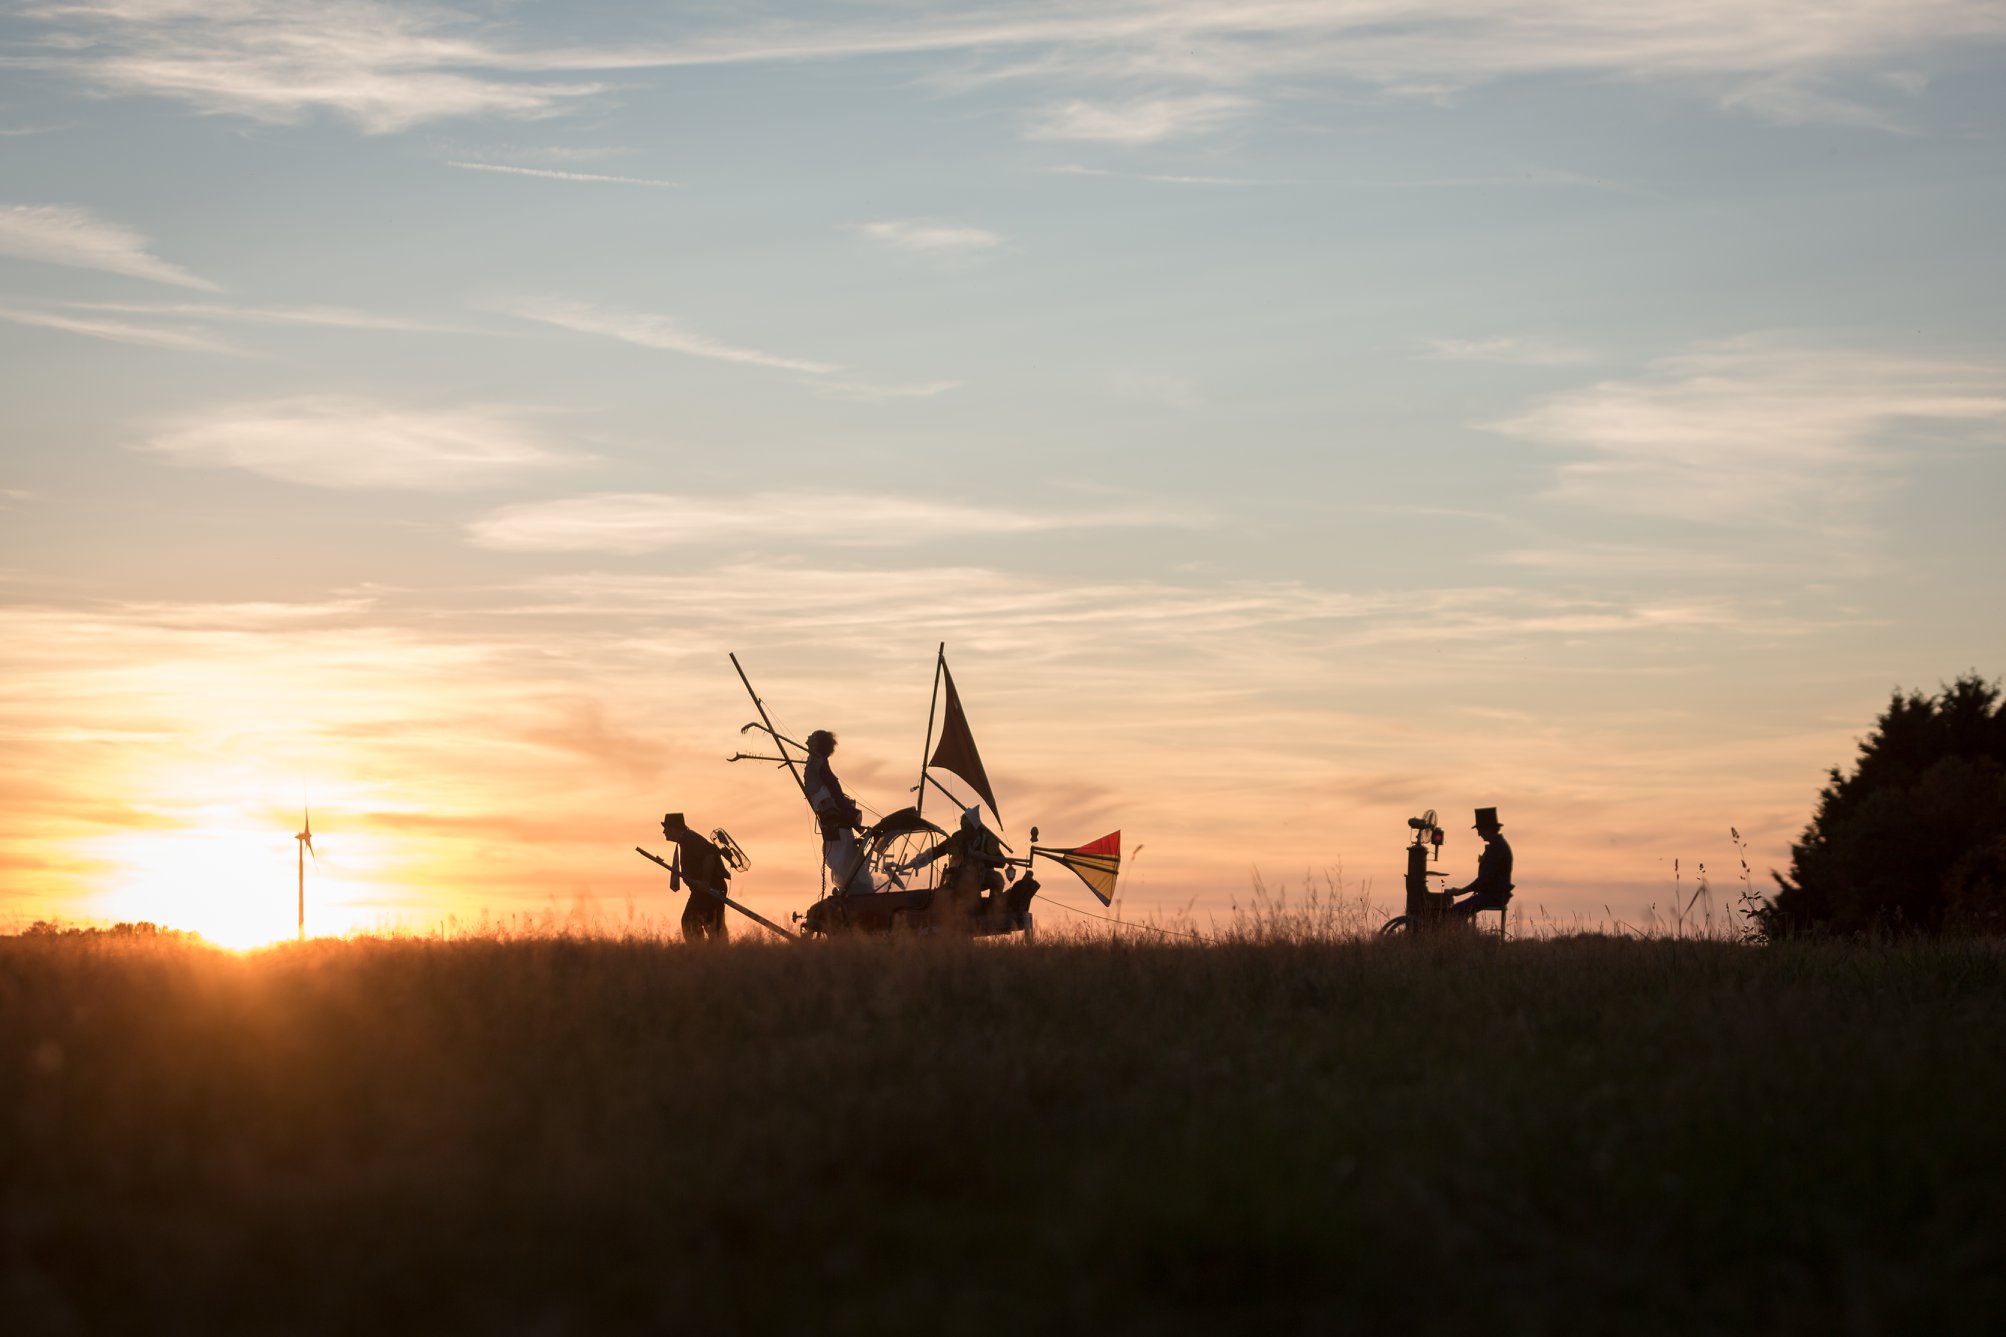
(1292, 419)
(233, 882)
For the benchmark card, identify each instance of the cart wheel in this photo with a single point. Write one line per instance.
(1394, 927)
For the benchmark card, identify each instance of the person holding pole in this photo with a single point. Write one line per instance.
(697, 862)
(838, 816)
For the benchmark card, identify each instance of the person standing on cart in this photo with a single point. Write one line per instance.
(1492, 888)
(838, 816)
(697, 862)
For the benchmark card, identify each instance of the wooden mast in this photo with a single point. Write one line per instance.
(926, 749)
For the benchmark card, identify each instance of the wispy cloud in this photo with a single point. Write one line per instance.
(325, 441)
(548, 153)
(385, 67)
(1169, 179)
(332, 317)
(648, 331)
(554, 174)
(1125, 73)
(1753, 429)
(118, 331)
(1160, 644)
(1682, 560)
(872, 394)
(1137, 121)
(1533, 177)
(61, 234)
(641, 522)
(930, 234)
(1509, 350)
(179, 325)
(1787, 62)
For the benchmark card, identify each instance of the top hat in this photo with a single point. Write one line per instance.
(1487, 817)
(672, 819)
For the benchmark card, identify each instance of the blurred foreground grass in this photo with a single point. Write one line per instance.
(557, 1135)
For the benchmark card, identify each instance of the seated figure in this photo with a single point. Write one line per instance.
(1492, 888)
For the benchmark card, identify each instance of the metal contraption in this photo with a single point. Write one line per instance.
(735, 858)
(1426, 909)
(921, 878)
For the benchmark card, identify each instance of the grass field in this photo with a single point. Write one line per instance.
(557, 1135)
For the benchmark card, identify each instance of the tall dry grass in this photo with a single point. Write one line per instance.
(1290, 1133)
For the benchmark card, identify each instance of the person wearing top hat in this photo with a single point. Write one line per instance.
(698, 863)
(1492, 887)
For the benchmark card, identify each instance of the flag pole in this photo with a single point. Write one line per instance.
(955, 799)
(926, 749)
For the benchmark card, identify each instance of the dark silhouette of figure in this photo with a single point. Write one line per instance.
(838, 816)
(974, 860)
(698, 863)
(1492, 888)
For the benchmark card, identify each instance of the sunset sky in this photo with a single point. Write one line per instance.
(1291, 416)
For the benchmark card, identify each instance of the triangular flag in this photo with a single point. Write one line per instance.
(956, 752)
(1097, 863)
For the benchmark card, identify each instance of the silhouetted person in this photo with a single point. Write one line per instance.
(838, 816)
(1492, 888)
(974, 861)
(698, 863)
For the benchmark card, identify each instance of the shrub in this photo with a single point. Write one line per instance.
(1911, 841)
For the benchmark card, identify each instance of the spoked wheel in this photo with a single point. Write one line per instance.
(1394, 927)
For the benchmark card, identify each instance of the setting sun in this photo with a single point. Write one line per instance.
(236, 887)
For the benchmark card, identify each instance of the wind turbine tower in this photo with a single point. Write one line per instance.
(305, 838)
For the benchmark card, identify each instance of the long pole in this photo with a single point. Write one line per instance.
(709, 890)
(302, 858)
(760, 706)
(952, 797)
(932, 705)
(955, 799)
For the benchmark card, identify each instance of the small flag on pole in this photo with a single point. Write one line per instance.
(956, 752)
(1097, 863)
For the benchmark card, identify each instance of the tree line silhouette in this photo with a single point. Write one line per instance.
(1913, 840)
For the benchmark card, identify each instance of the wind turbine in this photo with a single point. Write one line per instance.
(305, 838)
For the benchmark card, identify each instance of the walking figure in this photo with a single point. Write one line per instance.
(697, 862)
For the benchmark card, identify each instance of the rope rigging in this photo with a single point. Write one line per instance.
(1123, 923)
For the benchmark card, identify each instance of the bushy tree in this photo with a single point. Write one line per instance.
(1914, 840)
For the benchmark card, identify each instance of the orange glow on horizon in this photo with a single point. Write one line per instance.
(457, 780)
(236, 887)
